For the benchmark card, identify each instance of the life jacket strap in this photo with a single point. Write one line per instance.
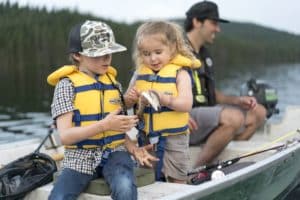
(95, 86)
(156, 78)
(105, 154)
(78, 118)
(101, 142)
(160, 151)
(169, 130)
(150, 109)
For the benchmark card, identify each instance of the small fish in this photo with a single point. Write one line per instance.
(152, 98)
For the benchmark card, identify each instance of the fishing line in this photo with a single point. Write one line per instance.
(284, 136)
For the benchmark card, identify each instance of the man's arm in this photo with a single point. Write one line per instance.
(245, 102)
(226, 99)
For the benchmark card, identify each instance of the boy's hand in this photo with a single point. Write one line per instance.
(143, 156)
(122, 123)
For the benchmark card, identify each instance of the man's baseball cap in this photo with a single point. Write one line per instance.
(93, 39)
(205, 10)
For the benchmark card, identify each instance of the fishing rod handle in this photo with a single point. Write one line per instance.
(197, 170)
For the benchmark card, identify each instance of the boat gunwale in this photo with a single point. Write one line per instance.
(210, 187)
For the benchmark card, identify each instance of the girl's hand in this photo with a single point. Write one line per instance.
(192, 124)
(115, 122)
(132, 96)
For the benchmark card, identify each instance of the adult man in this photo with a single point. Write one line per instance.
(215, 118)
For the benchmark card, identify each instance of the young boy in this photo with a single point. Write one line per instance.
(86, 107)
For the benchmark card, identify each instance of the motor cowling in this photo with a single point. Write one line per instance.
(264, 93)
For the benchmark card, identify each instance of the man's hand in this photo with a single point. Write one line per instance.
(192, 124)
(247, 102)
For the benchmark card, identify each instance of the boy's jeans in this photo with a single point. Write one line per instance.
(118, 173)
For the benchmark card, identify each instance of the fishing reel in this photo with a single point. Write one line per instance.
(207, 175)
(264, 93)
(200, 177)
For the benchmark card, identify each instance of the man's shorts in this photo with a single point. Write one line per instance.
(208, 119)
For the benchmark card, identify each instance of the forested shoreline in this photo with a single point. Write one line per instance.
(33, 44)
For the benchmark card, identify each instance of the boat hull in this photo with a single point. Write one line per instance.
(266, 180)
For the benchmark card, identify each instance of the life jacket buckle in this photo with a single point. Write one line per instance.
(107, 140)
(201, 98)
(153, 78)
(97, 86)
(106, 153)
(76, 117)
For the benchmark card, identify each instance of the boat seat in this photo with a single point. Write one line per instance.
(99, 186)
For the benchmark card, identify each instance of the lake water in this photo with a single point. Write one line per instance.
(285, 78)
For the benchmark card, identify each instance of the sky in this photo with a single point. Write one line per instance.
(281, 15)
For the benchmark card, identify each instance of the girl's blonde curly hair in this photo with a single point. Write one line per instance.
(172, 34)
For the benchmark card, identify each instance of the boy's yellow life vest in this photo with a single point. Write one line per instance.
(167, 121)
(94, 99)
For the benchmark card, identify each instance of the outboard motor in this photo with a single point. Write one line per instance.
(264, 94)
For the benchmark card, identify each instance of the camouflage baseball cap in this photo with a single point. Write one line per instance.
(93, 39)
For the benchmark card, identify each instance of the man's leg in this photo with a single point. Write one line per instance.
(254, 119)
(230, 122)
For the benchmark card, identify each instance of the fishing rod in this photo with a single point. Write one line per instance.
(50, 131)
(231, 161)
(235, 160)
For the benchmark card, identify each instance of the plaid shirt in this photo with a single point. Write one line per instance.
(82, 160)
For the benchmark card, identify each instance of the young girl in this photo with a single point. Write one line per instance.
(160, 55)
(86, 107)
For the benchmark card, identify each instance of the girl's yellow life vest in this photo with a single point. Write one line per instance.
(94, 99)
(165, 122)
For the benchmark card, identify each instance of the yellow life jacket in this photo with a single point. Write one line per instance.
(94, 99)
(166, 121)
